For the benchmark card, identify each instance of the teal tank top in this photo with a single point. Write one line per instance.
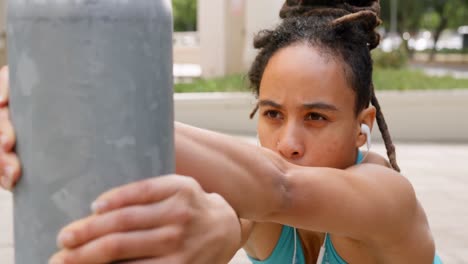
(332, 257)
(283, 253)
(284, 249)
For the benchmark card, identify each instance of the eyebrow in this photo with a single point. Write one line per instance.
(315, 105)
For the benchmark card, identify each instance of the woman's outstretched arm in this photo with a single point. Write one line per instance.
(262, 186)
(248, 177)
(367, 202)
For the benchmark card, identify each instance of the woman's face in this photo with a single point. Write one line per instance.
(306, 109)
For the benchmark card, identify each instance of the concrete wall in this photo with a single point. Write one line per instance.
(224, 112)
(227, 29)
(186, 48)
(187, 55)
(235, 35)
(437, 116)
(221, 25)
(260, 14)
(427, 115)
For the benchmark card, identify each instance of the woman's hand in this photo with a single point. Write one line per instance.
(9, 163)
(168, 219)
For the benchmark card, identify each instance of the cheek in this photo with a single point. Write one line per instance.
(321, 152)
(332, 150)
(266, 136)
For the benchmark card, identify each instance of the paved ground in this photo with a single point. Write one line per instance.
(439, 174)
(458, 71)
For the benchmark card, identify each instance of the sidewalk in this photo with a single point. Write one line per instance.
(439, 175)
(458, 71)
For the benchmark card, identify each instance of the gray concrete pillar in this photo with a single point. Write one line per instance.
(2, 33)
(92, 103)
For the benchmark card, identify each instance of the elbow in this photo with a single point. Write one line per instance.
(285, 195)
(277, 183)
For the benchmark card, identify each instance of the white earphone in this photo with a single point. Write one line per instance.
(366, 130)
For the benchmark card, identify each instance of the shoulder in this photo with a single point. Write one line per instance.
(393, 193)
(375, 158)
(401, 221)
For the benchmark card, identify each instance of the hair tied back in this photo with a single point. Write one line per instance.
(366, 21)
(301, 7)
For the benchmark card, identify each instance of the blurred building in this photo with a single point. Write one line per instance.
(261, 14)
(223, 44)
(226, 31)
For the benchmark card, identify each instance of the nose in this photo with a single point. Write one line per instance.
(290, 144)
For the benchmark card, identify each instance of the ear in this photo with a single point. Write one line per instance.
(367, 116)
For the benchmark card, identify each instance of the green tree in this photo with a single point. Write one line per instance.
(434, 15)
(185, 15)
(450, 13)
(413, 15)
(409, 14)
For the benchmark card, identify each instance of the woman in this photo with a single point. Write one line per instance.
(308, 195)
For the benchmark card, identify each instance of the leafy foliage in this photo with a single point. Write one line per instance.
(426, 13)
(394, 59)
(434, 15)
(185, 15)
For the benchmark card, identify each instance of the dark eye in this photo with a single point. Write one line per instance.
(272, 114)
(315, 117)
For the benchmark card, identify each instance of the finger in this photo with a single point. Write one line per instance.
(123, 220)
(142, 192)
(7, 133)
(123, 246)
(10, 170)
(4, 86)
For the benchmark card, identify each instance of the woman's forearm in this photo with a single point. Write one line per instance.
(248, 177)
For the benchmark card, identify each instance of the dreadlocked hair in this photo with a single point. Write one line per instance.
(343, 29)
